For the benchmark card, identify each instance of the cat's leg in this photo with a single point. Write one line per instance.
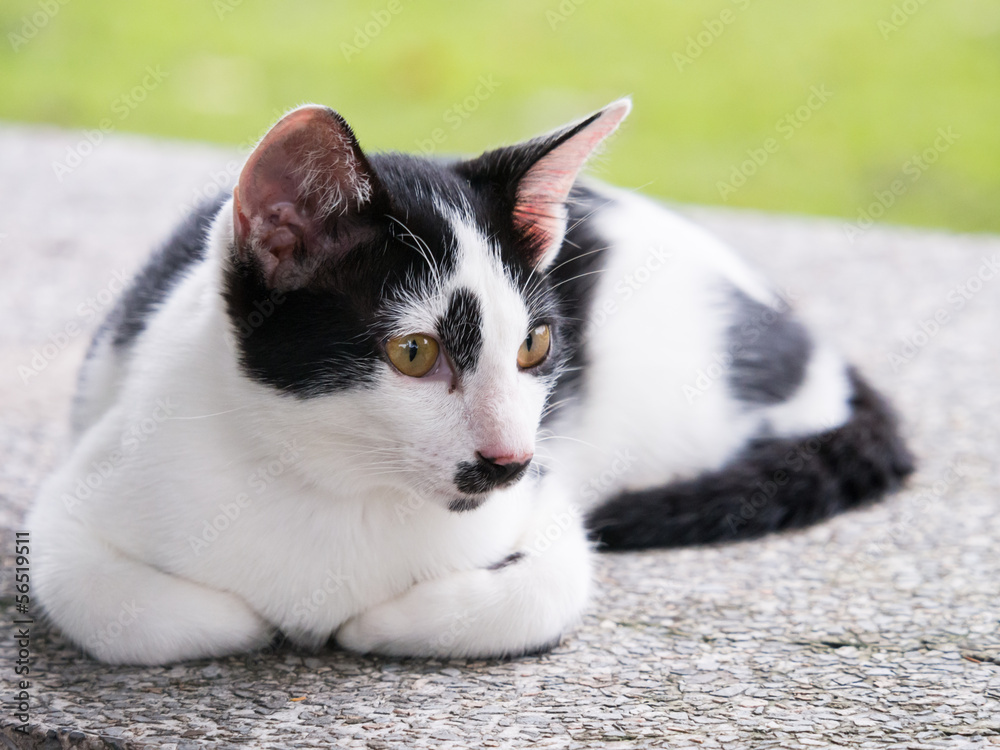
(123, 611)
(521, 604)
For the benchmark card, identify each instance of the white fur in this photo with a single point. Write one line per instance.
(647, 417)
(349, 516)
(222, 510)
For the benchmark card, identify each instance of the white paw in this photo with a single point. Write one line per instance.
(360, 633)
(477, 613)
(425, 621)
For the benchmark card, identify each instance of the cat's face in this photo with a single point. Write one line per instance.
(464, 361)
(408, 299)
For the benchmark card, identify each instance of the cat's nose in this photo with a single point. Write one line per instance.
(505, 468)
(506, 459)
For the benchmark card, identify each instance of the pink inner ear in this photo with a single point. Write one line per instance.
(275, 231)
(306, 169)
(540, 209)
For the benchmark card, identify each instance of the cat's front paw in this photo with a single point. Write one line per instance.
(506, 611)
(431, 619)
(365, 633)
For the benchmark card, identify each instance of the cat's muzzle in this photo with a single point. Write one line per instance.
(479, 477)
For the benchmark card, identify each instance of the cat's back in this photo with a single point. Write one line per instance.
(694, 383)
(103, 371)
(682, 352)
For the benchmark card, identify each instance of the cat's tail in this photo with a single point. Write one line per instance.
(775, 483)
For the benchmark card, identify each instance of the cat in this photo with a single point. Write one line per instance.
(398, 402)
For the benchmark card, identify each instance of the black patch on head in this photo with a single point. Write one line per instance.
(770, 350)
(329, 335)
(774, 483)
(560, 295)
(313, 341)
(186, 246)
(461, 329)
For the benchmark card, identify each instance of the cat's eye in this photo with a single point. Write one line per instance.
(413, 354)
(535, 347)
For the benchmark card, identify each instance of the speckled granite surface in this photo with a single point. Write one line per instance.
(880, 628)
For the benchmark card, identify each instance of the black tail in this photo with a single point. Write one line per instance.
(773, 484)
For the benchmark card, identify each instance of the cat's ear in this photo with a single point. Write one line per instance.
(540, 174)
(540, 212)
(304, 197)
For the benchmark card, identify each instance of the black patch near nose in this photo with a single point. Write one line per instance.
(474, 478)
(770, 350)
(461, 329)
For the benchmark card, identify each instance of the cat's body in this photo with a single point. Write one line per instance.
(251, 456)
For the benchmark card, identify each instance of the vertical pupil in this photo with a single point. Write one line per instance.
(411, 346)
(528, 341)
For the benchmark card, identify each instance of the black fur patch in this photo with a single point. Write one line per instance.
(507, 561)
(461, 329)
(465, 504)
(474, 478)
(776, 483)
(166, 266)
(574, 276)
(770, 351)
(328, 336)
(311, 344)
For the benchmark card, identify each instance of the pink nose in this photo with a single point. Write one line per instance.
(506, 459)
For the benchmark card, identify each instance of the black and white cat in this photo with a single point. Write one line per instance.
(394, 401)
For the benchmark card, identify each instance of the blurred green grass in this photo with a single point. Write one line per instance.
(895, 78)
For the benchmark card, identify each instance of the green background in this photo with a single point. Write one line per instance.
(896, 73)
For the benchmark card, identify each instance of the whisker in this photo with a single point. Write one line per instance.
(575, 440)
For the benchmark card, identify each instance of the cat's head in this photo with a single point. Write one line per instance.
(403, 304)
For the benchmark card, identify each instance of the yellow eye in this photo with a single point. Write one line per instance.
(413, 354)
(535, 347)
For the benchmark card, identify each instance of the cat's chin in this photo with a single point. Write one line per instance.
(466, 503)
